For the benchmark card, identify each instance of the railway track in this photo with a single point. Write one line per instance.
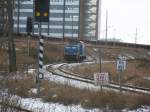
(58, 69)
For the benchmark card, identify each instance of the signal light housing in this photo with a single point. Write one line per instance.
(41, 10)
(29, 25)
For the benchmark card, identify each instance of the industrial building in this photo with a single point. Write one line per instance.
(67, 18)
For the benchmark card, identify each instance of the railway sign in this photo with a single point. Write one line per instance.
(101, 78)
(40, 75)
(121, 63)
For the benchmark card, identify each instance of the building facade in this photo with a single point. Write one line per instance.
(67, 18)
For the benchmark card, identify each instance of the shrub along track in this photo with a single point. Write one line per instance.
(6, 106)
(11, 108)
(58, 69)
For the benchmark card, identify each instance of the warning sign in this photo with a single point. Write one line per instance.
(101, 78)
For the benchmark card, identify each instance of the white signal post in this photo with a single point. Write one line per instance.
(121, 66)
(40, 74)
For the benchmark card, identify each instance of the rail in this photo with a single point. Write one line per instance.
(127, 88)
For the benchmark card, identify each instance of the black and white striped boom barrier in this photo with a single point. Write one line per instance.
(40, 58)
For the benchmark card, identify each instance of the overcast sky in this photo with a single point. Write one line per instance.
(123, 18)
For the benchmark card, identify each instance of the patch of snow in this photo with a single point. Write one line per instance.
(147, 78)
(89, 57)
(129, 56)
(71, 82)
(31, 71)
(74, 83)
(18, 75)
(142, 109)
(55, 96)
(33, 90)
(72, 65)
(36, 105)
(17, 49)
(95, 49)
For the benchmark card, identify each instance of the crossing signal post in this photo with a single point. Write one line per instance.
(41, 12)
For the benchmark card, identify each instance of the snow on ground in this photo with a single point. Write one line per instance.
(71, 82)
(36, 105)
(142, 109)
(31, 71)
(74, 83)
(62, 80)
(70, 66)
(129, 56)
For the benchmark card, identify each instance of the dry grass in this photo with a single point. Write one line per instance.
(54, 52)
(19, 84)
(3, 58)
(135, 72)
(67, 95)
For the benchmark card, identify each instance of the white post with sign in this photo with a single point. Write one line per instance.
(121, 66)
(101, 79)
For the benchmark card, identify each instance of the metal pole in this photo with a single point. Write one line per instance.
(106, 25)
(136, 33)
(48, 28)
(40, 29)
(100, 61)
(97, 35)
(64, 14)
(28, 43)
(98, 19)
(72, 24)
(81, 19)
(120, 81)
(28, 47)
(49, 19)
(18, 16)
(100, 64)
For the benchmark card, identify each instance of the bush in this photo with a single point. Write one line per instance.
(20, 84)
(68, 95)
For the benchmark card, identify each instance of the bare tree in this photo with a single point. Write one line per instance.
(6, 24)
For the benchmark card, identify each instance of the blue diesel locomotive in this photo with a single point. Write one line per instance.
(75, 51)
